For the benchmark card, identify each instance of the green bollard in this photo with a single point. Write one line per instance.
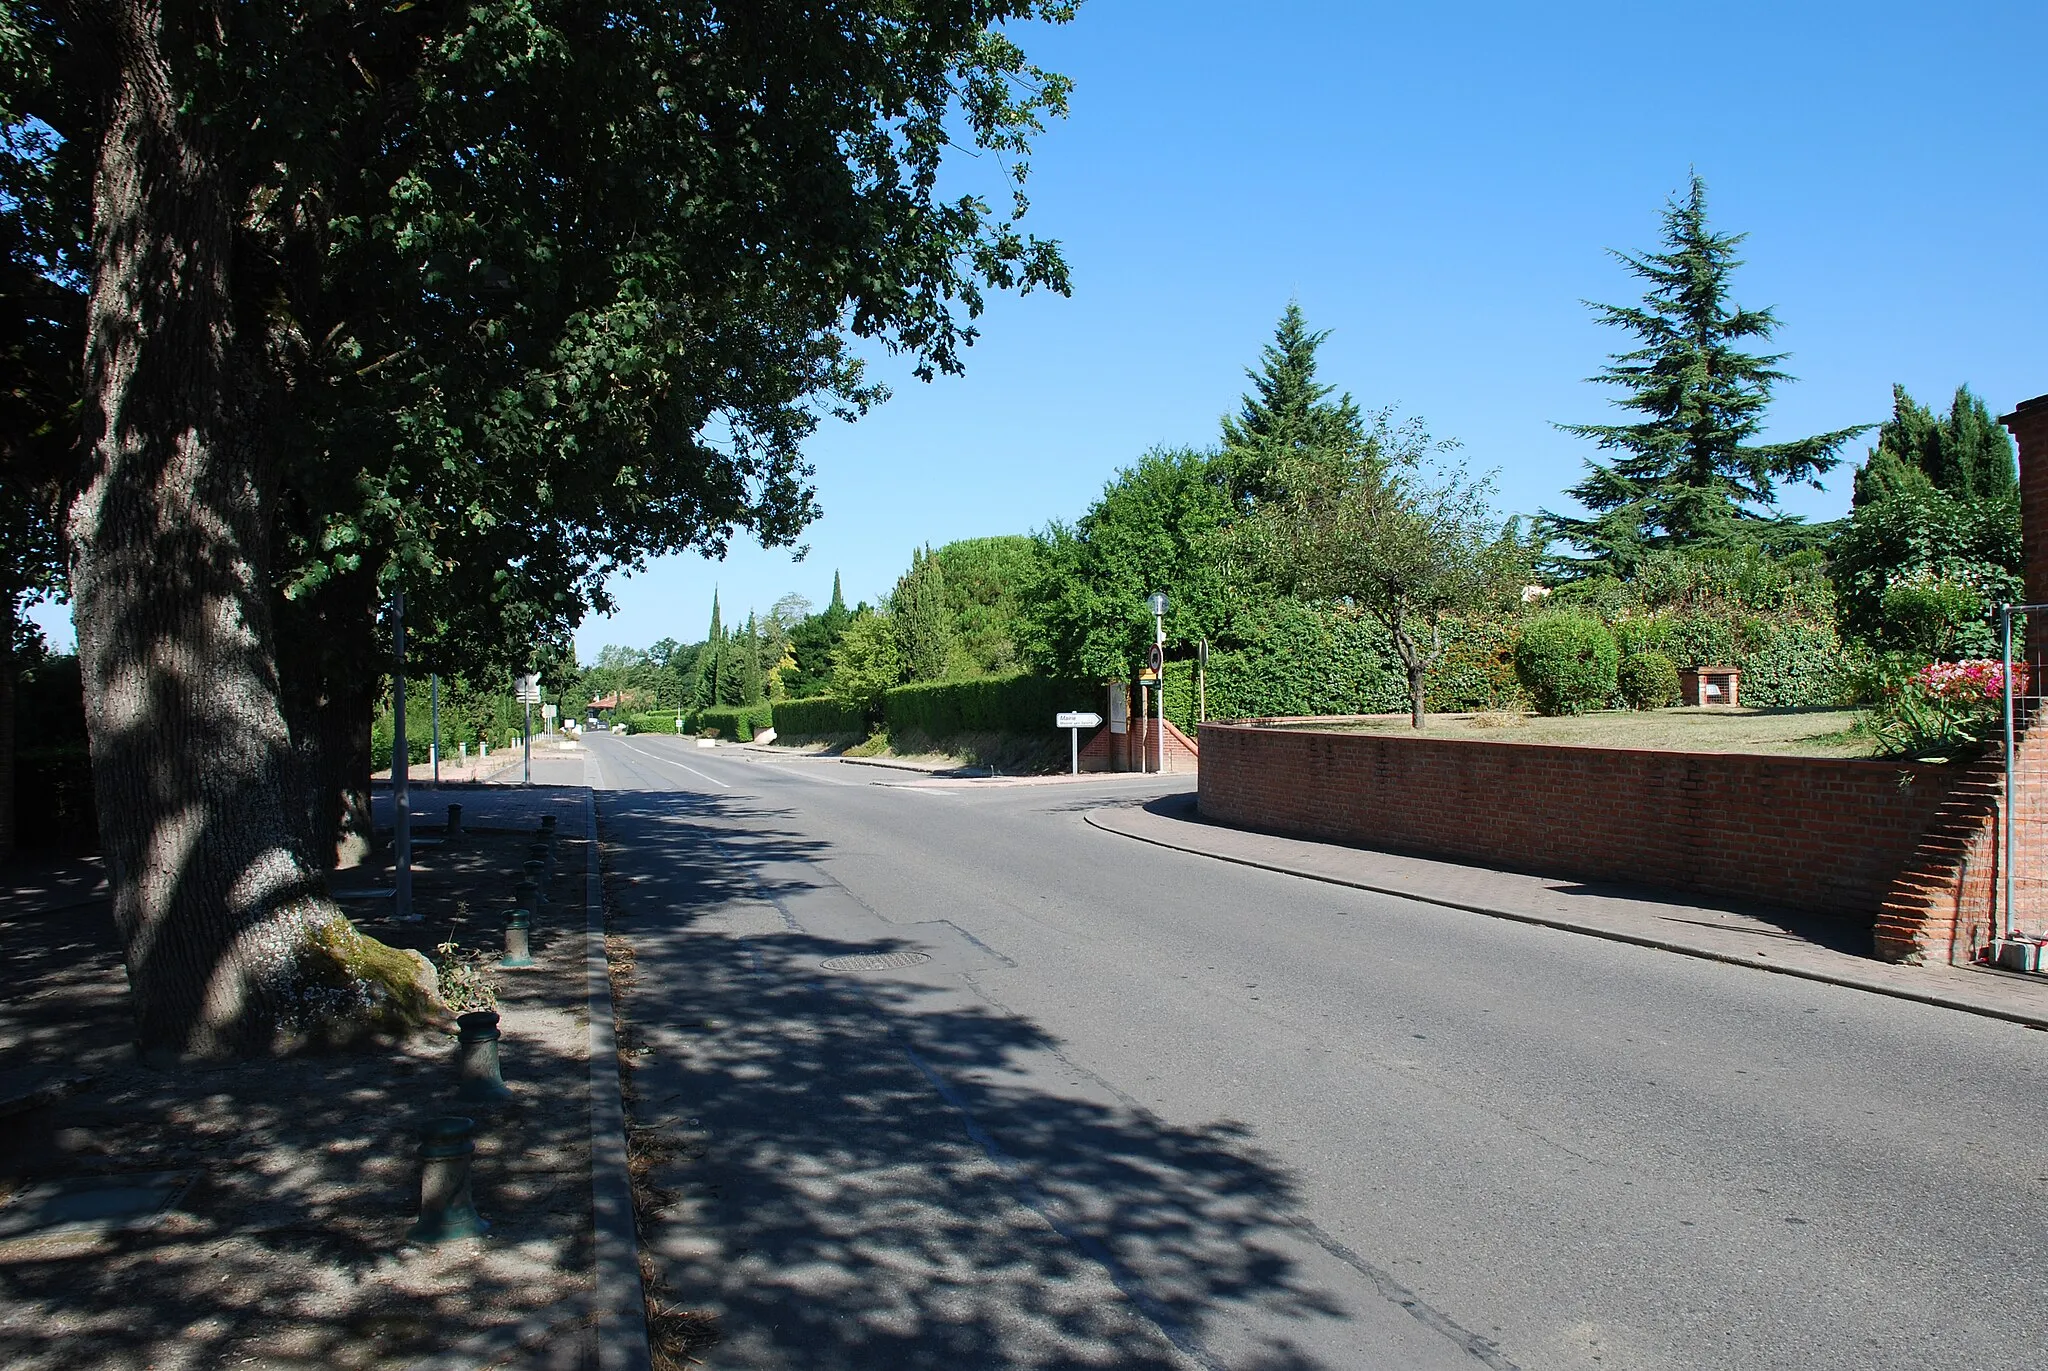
(518, 941)
(527, 893)
(477, 1048)
(447, 1209)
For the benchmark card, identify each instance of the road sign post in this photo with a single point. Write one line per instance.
(526, 689)
(1074, 721)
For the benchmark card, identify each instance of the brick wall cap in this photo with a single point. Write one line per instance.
(2026, 409)
(1847, 764)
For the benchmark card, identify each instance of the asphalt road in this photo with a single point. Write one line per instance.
(1140, 1108)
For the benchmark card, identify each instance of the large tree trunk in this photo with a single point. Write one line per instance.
(232, 945)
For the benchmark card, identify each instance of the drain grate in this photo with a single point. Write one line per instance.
(875, 961)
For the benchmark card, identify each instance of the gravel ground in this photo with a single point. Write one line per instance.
(287, 1247)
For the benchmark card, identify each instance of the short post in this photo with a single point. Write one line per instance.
(447, 1208)
(518, 941)
(454, 829)
(477, 1048)
(547, 824)
(527, 893)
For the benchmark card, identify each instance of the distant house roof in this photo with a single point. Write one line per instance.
(604, 702)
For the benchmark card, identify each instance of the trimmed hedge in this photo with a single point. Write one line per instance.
(733, 721)
(653, 721)
(1648, 680)
(1567, 663)
(996, 704)
(818, 716)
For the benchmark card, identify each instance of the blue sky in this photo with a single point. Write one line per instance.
(1437, 185)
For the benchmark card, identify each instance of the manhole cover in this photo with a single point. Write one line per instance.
(875, 961)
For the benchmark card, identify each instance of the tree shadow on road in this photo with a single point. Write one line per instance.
(862, 1172)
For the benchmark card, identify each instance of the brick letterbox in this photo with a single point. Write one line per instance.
(1710, 685)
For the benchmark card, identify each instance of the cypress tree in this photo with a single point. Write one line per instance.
(1687, 473)
(836, 613)
(924, 625)
(1967, 454)
(712, 668)
(1287, 413)
(745, 677)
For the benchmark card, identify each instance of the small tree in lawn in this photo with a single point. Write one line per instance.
(1395, 532)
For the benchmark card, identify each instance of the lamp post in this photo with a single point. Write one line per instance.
(1158, 602)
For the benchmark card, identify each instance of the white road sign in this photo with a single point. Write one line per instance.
(1077, 720)
(526, 689)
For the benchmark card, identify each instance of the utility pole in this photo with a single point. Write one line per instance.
(401, 774)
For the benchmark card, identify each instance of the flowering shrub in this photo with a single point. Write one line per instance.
(1941, 710)
(1969, 682)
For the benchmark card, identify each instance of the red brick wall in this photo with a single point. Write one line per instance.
(2029, 425)
(1944, 904)
(1139, 749)
(1805, 832)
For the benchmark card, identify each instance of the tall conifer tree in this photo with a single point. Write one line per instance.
(1687, 473)
(1966, 454)
(746, 676)
(924, 624)
(1287, 413)
(710, 675)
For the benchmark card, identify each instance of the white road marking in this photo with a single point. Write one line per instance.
(666, 762)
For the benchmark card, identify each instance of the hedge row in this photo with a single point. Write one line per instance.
(817, 717)
(1020, 703)
(53, 800)
(732, 721)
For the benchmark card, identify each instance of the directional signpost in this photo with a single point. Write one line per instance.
(1075, 722)
(526, 690)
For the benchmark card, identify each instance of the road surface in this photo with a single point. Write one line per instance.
(1082, 1101)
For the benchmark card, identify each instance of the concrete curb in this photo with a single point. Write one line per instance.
(2031, 1019)
(618, 1301)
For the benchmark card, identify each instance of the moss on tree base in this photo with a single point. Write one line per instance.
(349, 988)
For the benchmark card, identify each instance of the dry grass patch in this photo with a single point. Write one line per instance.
(1782, 732)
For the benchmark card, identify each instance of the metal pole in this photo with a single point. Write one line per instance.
(434, 749)
(401, 774)
(1159, 641)
(526, 742)
(1074, 737)
(2005, 842)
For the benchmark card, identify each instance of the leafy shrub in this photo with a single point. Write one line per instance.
(1648, 680)
(995, 704)
(736, 721)
(1945, 709)
(819, 716)
(1567, 663)
(653, 721)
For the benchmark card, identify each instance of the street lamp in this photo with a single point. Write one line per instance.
(1157, 600)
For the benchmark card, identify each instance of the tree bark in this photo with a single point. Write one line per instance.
(232, 945)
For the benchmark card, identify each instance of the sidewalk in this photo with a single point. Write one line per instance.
(1778, 940)
(258, 1211)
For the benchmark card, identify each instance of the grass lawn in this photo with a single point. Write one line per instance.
(1793, 732)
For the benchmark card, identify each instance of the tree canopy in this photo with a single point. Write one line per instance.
(485, 300)
(1687, 472)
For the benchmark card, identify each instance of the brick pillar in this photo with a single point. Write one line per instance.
(2029, 425)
